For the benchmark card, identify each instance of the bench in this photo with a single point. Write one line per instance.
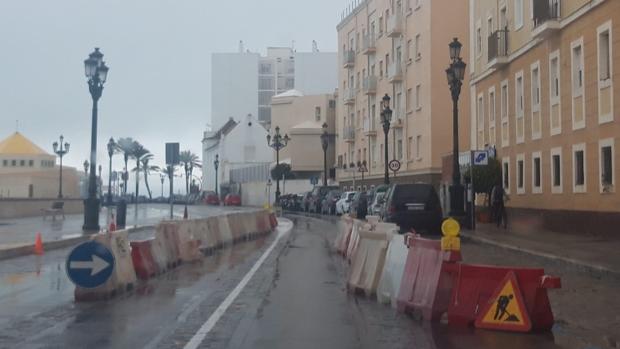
(57, 208)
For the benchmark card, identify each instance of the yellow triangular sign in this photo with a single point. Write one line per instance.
(505, 310)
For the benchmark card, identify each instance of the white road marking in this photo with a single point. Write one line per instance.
(221, 310)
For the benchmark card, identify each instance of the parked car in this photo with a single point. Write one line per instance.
(211, 198)
(373, 192)
(328, 206)
(377, 204)
(317, 196)
(232, 200)
(342, 205)
(359, 205)
(414, 206)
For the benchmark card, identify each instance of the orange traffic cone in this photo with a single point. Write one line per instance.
(38, 245)
(112, 226)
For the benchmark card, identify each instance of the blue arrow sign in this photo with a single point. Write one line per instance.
(90, 264)
(481, 158)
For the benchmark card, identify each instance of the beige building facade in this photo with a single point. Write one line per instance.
(302, 118)
(542, 92)
(398, 48)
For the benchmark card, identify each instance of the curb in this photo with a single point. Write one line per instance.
(593, 268)
(27, 249)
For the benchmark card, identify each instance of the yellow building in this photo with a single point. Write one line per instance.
(542, 82)
(27, 171)
(399, 48)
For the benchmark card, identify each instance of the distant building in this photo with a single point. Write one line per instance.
(244, 82)
(302, 118)
(238, 144)
(27, 171)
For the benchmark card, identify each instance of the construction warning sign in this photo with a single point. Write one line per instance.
(505, 310)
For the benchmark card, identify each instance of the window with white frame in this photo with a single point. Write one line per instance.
(410, 99)
(506, 174)
(555, 110)
(417, 54)
(478, 40)
(579, 168)
(606, 165)
(505, 135)
(536, 173)
(492, 135)
(518, 14)
(410, 148)
(556, 170)
(410, 50)
(605, 88)
(480, 120)
(520, 174)
(418, 92)
(577, 68)
(519, 107)
(418, 149)
(577, 76)
(535, 95)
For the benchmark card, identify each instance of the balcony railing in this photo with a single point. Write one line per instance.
(369, 44)
(348, 58)
(395, 25)
(395, 72)
(370, 85)
(546, 17)
(498, 48)
(349, 96)
(370, 126)
(348, 133)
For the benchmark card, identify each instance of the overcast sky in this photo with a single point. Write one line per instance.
(158, 51)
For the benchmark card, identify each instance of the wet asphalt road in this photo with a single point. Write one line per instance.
(296, 299)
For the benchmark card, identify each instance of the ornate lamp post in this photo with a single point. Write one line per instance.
(325, 145)
(216, 164)
(162, 178)
(96, 73)
(455, 74)
(362, 168)
(386, 119)
(111, 149)
(277, 142)
(60, 148)
(86, 166)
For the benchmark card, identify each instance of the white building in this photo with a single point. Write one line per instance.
(238, 144)
(244, 82)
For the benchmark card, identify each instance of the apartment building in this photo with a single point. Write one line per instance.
(244, 82)
(399, 48)
(542, 80)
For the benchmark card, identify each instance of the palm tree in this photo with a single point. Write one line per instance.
(125, 146)
(146, 170)
(165, 170)
(189, 160)
(139, 152)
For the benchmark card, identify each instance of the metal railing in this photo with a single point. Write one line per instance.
(395, 24)
(370, 125)
(348, 133)
(369, 43)
(546, 10)
(395, 71)
(498, 44)
(370, 84)
(349, 94)
(348, 57)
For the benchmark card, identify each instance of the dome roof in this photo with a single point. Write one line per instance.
(17, 144)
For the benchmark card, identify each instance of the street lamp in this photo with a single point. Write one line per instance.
(455, 75)
(325, 144)
(60, 148)
(386, 119)
(111, 149)
(277, 142)
(86, 165)
(362, 168)
(162, 178)
(216, 164)
(96, 72)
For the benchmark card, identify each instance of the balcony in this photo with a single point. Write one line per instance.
(547, 18)
(348, 134)
(348, 96)
(398, 118)
(498, 49)
(370, 127)
(395, 25)
(395, 72)
(348, 59)
(370, 85)
(369, 44)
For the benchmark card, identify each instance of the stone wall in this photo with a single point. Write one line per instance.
(16, 208)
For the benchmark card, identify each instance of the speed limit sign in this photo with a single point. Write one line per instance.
(394, 165)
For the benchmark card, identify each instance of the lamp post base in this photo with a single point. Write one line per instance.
(91, 215)
(457, 200)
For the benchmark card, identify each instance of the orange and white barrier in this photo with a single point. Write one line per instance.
(224, 229)
(392, 274)
(368, 260)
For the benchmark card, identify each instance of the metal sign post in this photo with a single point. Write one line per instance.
(172, 159)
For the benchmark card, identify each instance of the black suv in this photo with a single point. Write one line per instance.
(414, 206)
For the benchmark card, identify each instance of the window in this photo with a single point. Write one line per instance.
(492, 136)
(604, 53)
(579, 170)
(606, 165)
(489, 26)
(340, 161)
(265, 68)
(418, 103)
(578, 102)
(555, 114)
(536, 173)
(5, 163)
(577, 63)
(478, 40)
(520, 174)
(265, 83)
(418, 150)
(399, 149)
(417, 55)
(410, 51)
(409, 101)
(380, 25)
(556, 170)
(22, 163)
(317, 113)
(31, 163)
(605, 88)
(535, 95)
(506, 174)
(504, 113)
(381, 69)
(519, 107)
(373, 152)
(480, 121)
(518, 14)
(410, 148)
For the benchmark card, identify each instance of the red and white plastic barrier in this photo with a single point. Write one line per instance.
(389, 284)
(367, 262)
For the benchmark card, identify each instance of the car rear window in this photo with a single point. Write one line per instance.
(414, 193)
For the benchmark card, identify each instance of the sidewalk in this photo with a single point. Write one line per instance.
(594, 253)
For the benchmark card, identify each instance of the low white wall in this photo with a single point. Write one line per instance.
(255, 193)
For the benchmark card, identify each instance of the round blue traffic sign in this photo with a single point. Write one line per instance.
(90, 264)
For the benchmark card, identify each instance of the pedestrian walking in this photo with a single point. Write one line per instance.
(499, 198)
